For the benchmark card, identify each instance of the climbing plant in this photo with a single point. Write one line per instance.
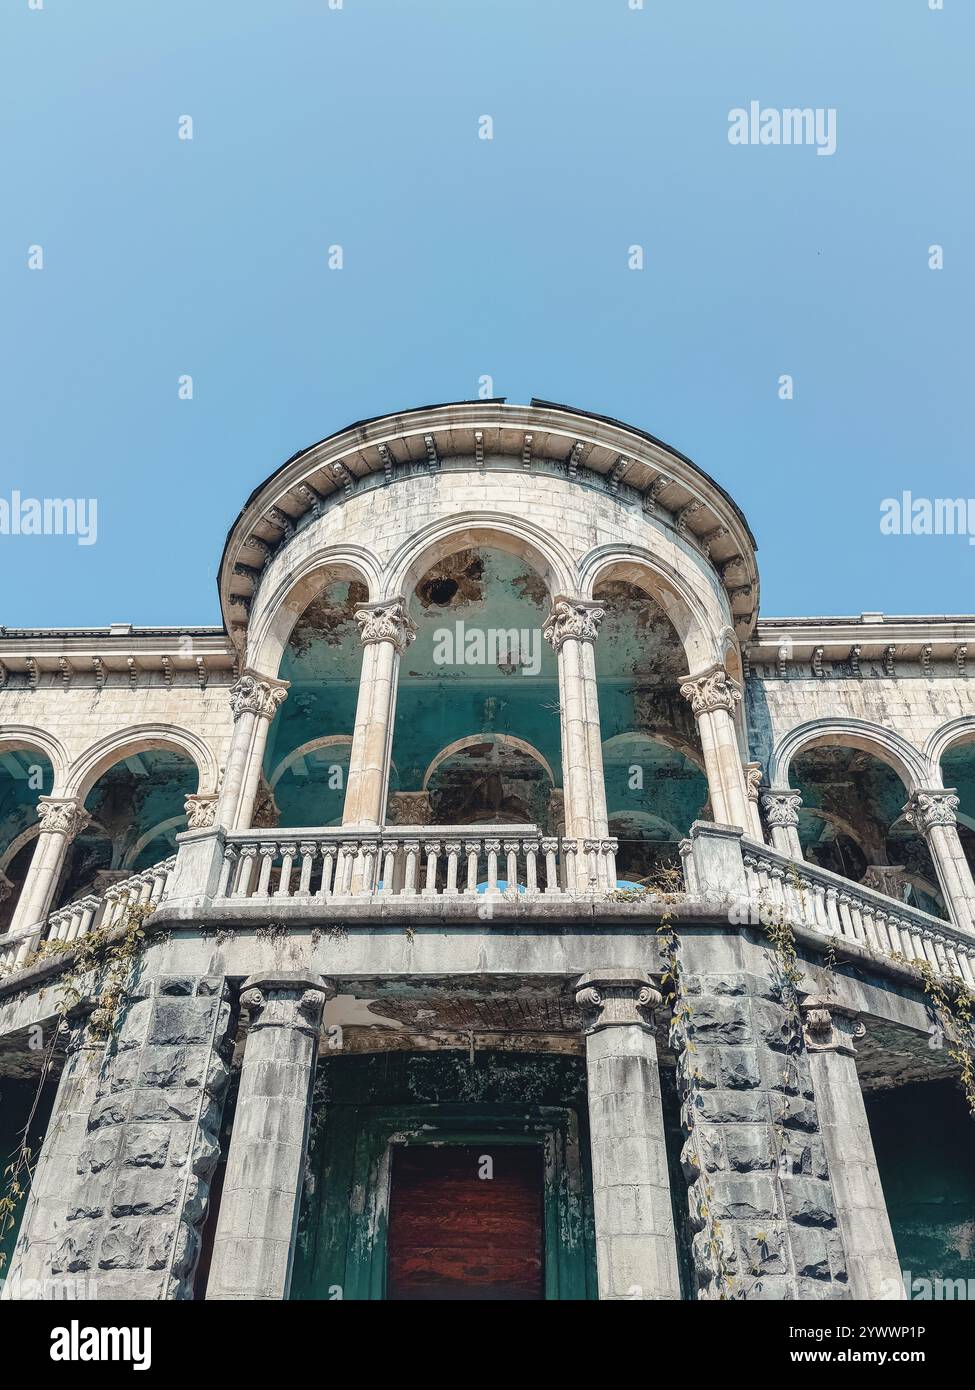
(109, 954)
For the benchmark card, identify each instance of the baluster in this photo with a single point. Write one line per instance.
(570, 849)
(226, 871)
(412, 851)
(368, 853)
(492, 849)
(329, 855)
(344, 869)
(607, 852)
(268, 852)
(833, 912)
(248, 856)
(472, 848)
(288, 853)
(308, 850)
(389, 868)
(550, 848)
(531, 868)
(431, 849)
(452, 851)
(511, 848)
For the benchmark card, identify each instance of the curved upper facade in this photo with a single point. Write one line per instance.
(574, 493)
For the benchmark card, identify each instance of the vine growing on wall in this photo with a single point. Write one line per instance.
(110, 954)
(953, 1006)
(668, 884)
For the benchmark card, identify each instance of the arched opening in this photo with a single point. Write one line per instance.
(25, 775)
(851, 822)
(958, 771)
(653, 765)
(306, 759)
(477, 733)
(137, 808)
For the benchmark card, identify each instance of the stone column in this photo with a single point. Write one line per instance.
(62, 818)
(571, 629)
(42, 1265)
(636, 1252)
(932, 813)
(254, 701)
(386, 630)
(781, 806)
(829, 1031)
(253, 1248)
(713, 696)
(753, 782)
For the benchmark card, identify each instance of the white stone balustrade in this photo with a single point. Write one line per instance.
(834, 906)
(421, 861)
(76, 919)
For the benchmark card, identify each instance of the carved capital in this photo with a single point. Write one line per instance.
(288, 999)
(200, 809)
(711, 691)
(929, 808)
(257, 694)
(572, 618)
(782, 808)
(828, 1026)
(386, 622)
(410, 808)
(753, 780)
(61, 816)
(617, 999)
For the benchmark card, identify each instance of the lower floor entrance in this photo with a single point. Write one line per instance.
(466, 1223)
(434, 1176)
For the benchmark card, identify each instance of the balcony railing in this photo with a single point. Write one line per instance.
(433, 861)
(836, 907)
(78, 918)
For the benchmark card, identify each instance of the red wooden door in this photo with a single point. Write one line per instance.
(454, 1234)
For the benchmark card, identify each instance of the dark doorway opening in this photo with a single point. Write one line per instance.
(466, 1223)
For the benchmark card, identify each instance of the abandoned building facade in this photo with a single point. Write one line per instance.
(494, 907)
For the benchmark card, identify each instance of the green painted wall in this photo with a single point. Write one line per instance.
(924, 1139)
(357, 1104)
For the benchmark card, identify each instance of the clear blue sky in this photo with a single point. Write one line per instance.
(466, 257)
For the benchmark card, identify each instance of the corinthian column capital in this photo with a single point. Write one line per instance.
(828, 1026)
(937, 806)
(257, 694)
(386, 622)
(781, 807)
(572, 618)
(712, 690)
(288, 999)
(62, 816)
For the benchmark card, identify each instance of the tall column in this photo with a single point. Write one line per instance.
(571, 629)
(781, 806)
(62, 818)
(829, 1031)
(932, 813)
(254, 701)
(386, 630)
(713, 696)
(636, 1251)
(44, 1263)
(253, 1248)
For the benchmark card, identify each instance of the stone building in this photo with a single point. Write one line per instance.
(524, 916)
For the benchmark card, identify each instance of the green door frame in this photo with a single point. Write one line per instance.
(352, 1242)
